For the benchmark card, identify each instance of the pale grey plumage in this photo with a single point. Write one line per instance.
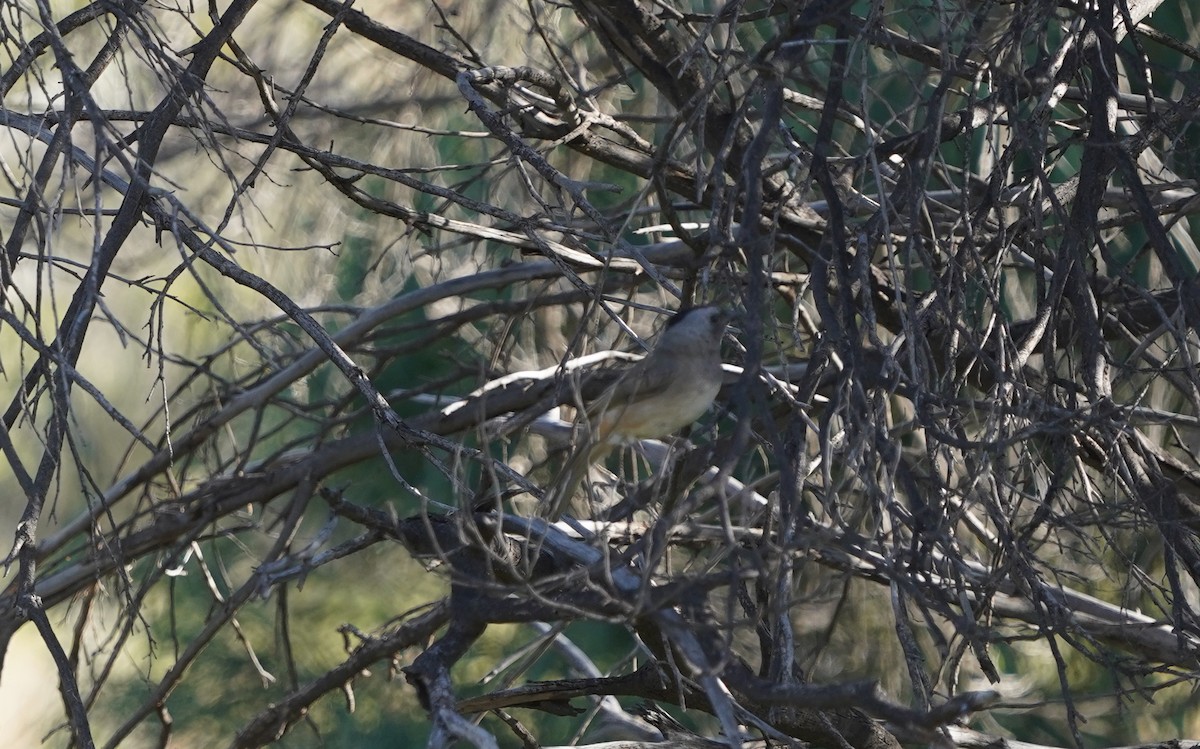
(667, 390)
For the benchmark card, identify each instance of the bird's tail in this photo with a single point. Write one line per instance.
(562, 489)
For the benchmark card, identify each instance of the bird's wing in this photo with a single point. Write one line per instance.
(643, 380)
(591, 445)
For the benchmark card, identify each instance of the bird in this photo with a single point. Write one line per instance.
(668, 389)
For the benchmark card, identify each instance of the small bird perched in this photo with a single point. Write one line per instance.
(667, 390)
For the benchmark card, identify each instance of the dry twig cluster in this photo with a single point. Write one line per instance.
(295, 313)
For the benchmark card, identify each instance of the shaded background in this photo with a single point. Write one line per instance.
(978, 279)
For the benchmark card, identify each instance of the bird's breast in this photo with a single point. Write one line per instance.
(661, 414)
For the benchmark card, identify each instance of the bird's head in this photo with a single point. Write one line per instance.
(697, 326)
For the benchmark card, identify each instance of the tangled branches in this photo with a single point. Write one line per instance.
(291, 333)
